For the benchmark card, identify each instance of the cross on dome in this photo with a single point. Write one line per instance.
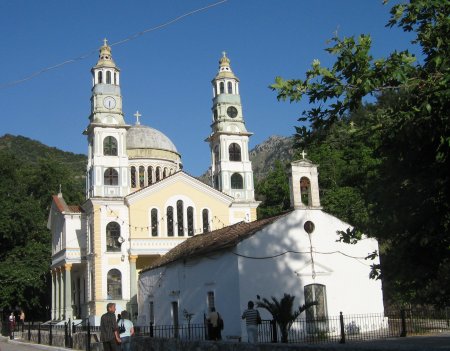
(137, 115)
(105, 42)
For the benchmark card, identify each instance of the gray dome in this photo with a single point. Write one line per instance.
(143, 137)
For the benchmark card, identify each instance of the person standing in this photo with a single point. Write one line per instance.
(22, 319)
(252, 319)
(12, 325)
(109, 331)
(126, 330)
(215, 325)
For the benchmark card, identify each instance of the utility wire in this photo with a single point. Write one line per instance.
(131, 37)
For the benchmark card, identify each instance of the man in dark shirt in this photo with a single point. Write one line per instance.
(109, 331)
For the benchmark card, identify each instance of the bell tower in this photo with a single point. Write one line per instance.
(107, 169)
(231, 168)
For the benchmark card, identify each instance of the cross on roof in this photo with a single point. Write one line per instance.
(224, 53)
(137, 115)
(105, 42)
(304, 154)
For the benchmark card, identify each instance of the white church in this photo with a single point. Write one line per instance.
(296, 253)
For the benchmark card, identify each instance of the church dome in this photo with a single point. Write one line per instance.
(143, 137)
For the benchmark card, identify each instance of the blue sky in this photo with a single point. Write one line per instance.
(166, 74)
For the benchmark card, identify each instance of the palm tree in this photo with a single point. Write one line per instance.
(283, 312)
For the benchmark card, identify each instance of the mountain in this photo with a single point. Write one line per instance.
(28, 150)
(264, 155)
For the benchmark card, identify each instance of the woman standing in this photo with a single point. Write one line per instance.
(126, 330)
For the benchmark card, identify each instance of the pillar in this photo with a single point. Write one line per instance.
(133, 285)
(53, 275)
(67, 291)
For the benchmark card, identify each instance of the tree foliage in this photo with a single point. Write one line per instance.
(385, 164)
(25, 243)
(273, 190)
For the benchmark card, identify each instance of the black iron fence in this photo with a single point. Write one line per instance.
(334, 329)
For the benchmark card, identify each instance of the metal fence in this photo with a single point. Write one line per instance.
(333, 329)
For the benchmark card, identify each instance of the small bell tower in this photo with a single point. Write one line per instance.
(304, 184)
(231, 168)
(107, 169)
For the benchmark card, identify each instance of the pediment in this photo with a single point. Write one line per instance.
(175, 180)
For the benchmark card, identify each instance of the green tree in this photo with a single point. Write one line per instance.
(283, 312)
(25, 243)
(406, 136)
(273, 190)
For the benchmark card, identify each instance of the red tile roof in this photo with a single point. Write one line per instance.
(215, 241)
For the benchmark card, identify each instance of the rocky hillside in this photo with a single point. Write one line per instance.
(264, 155)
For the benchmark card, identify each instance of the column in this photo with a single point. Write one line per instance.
(133, 286)
(53, 275)
(58, 294)
(67, 291)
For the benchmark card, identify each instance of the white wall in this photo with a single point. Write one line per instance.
(192, 279)
(340, 267)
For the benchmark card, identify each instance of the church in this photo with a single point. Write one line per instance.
(139, 202)
(296, 252)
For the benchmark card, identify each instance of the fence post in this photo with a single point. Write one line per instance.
(39, 333)
(66, 336)
(273, 324)
(151, 329)
(50, 336)
(341, 322)
(88, 336)
(29, 331)
(403, 317)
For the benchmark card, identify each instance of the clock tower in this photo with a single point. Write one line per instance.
(107, 171)
(231, 168)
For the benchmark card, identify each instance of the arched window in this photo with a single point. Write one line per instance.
(222, 87)
(111, 177)
(154, 219)
(216, 181)
(133, 177)
(115, 78)
(234, 151)
(150, 175)
(205, 220)
(158, 174)
(108, 77)
(112, 237)
(100, 77)
(305, 187)
(141, 176)
(110, 146)
(230, 88)
(114, 285)
(237, 181)
(180, 222)
(190, 220)
(169, 221)
(166, 173)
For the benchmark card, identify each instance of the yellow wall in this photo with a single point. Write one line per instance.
(139, 211)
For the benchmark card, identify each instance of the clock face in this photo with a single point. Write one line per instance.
(232, 111)
(109, 102)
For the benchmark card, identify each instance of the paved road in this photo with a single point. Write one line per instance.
(440, 342)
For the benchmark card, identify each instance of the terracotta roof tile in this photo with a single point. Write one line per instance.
(214, 241)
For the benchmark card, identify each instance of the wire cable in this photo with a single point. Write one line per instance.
(90, 53)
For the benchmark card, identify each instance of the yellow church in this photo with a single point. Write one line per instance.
(139, 203)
